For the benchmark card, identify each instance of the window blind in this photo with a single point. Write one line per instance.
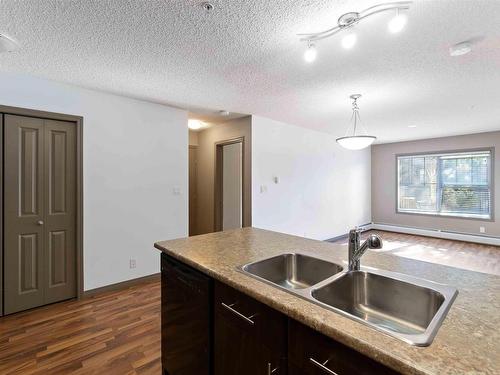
(455, 184)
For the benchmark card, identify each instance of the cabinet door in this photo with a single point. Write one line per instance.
(236, 348)
(311, 353)
(250, 338)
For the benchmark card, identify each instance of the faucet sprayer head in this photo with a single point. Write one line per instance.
(374, 242)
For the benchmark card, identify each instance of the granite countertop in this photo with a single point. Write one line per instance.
(468, 342)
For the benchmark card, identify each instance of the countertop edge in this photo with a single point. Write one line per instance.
(340, 336)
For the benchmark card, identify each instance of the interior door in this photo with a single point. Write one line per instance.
(232, 185)
(60, 210)
(193, 196)
(39, 212)
(23, 213)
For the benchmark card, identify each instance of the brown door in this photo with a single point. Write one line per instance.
(39, 212)
(60, 210)
(193, 196)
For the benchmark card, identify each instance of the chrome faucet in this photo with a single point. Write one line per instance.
(356, 250)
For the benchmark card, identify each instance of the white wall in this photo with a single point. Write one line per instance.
(134, 154)
(323, 189)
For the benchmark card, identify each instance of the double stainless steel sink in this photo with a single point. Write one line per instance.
(405, 307)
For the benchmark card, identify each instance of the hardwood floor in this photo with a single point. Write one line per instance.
(110, 333)
(459, 254)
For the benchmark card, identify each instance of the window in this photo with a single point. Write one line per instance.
(452, 184)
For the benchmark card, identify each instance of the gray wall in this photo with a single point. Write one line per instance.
(384, 183)
(206, 169)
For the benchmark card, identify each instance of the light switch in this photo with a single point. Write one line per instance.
(276, 179)
(482, 230)
(263, 189)
(176, 190)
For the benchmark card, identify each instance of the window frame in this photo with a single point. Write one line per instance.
(453, 215)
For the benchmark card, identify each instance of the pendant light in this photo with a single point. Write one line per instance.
(355, 142)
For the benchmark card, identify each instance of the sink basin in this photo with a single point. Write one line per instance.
(408, 308)
(293, 271)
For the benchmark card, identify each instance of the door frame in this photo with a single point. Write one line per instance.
(218, 193)
(78, 121)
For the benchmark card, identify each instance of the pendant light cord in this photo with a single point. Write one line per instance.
(355, 115)
(355, 119)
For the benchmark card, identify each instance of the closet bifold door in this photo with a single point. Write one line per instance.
(60, 210)
(39, 212)
(23, 213)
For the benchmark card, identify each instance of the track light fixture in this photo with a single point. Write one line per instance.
(7, 44)
(398, 23)
(348, 20)
(310, 53)
(349, 40)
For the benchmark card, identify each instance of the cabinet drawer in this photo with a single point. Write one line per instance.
(314, 353)
(268, 326)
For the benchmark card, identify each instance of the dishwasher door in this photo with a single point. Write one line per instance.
(186, 316)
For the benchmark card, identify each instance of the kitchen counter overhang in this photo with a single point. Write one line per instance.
(467, 342)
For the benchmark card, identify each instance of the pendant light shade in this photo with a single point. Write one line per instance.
(355, 141)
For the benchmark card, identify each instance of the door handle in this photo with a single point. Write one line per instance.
(237, 313)
(40, 222)
(270, 370)
(322, 366)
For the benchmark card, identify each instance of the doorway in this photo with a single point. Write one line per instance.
(229, 184)
(41, 211)
(193, 190)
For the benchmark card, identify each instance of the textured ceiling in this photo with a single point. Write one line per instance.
(211, 116)
(245, 57)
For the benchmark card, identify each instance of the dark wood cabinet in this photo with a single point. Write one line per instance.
(311, 353)
(211, 328)
(250, 338)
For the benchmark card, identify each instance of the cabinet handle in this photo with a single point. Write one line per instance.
(237, 313)
(269, 371)
(322, 366)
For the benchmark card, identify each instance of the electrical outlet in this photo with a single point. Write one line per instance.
(482, 230)
(133, 263)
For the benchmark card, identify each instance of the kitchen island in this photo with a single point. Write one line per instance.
(466, 343)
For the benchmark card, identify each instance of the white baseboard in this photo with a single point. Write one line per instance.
(488, 240)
